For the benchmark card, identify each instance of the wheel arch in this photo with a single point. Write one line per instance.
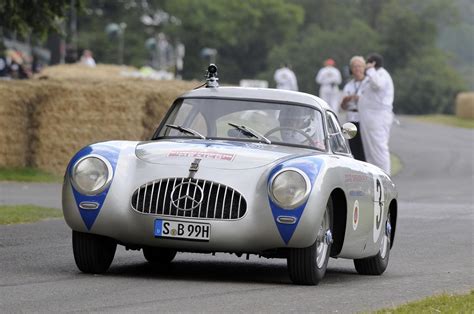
(339, 206)
(393, 208)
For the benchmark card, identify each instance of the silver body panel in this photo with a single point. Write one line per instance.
(247, 171)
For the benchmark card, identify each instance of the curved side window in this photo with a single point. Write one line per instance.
(336, 139)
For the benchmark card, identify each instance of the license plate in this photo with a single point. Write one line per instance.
(182, 230)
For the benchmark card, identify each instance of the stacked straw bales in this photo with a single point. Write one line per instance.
(465, 105)
(14, 139)
(43, 122)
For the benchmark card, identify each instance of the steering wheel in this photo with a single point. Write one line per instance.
(283, 128)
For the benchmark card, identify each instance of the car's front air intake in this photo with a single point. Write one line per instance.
(189, 197)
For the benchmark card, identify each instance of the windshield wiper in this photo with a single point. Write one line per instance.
(250, 132)
(186, 130)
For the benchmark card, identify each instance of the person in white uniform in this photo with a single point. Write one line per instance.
(329, 78)
(376, 112)
(351, 92)
(285, 78)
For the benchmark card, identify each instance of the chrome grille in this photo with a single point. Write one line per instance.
(162, 197)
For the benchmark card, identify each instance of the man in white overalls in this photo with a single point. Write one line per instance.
(329, 79)
(376, 112)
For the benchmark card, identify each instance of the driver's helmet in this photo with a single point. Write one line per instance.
(299, 118)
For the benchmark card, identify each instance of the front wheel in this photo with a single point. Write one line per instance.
(307, 266)
(376, 265)
(93, 253)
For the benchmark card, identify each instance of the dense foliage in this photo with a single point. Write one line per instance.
(253, 37)
(37, 17)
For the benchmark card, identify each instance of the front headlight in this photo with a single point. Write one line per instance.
(289, 188)
(91, 174)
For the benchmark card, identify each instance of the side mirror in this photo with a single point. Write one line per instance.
(349, 130)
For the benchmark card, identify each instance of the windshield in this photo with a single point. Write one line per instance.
(244, 120)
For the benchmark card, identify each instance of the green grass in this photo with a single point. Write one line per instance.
(27, 175)
(396, 164)
(447, 120)
(16, 214)
(445, 303)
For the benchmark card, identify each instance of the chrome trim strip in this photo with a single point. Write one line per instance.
(144, 198)
(89, 205)
(287, 220)
(231, 204)
(151, 196)
(223, 202)
(217, 198)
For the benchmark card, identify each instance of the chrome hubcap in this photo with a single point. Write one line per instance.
(385, 243)
(323, 240)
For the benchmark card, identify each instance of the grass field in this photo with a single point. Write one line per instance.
(445, 303)
(447, 120)
(396, 164)
(15, 214)
(27, 175)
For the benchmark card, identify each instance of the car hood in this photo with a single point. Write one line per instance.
(216, 154)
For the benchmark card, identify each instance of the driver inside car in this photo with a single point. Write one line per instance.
(299, 125)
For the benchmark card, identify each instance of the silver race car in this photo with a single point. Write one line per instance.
(237, 170)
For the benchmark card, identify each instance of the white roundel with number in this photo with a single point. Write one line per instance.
(379, 199)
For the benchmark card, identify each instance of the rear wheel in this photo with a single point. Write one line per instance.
(93, 253)
(307, 266)
(159, 255)
(376, 265)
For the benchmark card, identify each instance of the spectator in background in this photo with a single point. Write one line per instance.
(329, 79)
(376, 112)
(17, 66)
(4, 65)
(351, 92)
(285, 78)
(87, 58)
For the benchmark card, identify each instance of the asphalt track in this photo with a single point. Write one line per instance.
(433, 252)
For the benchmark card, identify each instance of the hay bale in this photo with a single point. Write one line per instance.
(74, 115)
(80, 72)
(465, 105)
(15, 101)
(43, 122)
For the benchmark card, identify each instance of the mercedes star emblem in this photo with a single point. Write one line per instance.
(187, 196)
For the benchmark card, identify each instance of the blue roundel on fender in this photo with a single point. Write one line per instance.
(109, 152)
(311, 167)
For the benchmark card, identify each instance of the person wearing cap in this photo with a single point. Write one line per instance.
(329, 78)
(351, 92)
(285, 78)
(376, 112)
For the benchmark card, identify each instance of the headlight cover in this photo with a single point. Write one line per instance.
(289, 188)
(91, 174)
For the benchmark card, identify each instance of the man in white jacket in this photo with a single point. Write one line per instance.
(376, 113)
(285, 78)
(329, 79)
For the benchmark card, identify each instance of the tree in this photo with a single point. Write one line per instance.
(243, 32)
(36, 17)
(426, 85)
(307, 52)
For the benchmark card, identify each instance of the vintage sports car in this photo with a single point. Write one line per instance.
(237, 170)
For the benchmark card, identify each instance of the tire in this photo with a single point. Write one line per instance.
(93, 253)
(307, 266)
(377, 264)
(159, 255)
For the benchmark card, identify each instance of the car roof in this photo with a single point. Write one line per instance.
(251, 93)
